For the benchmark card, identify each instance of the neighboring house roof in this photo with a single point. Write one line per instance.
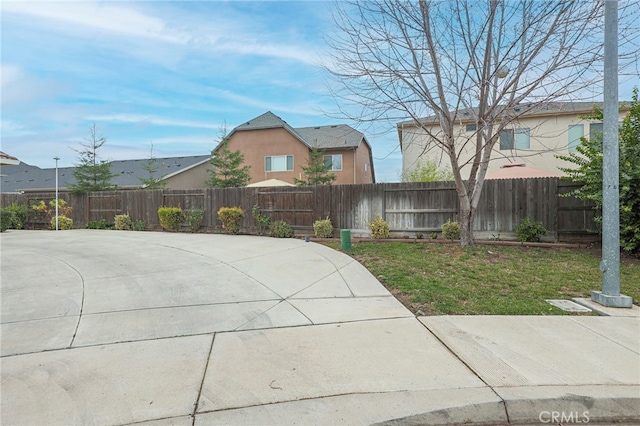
(321, 137)
(8, 160)
(25, 177)
(468, 115)
(520, 170)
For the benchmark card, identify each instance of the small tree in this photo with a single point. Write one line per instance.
(427, 171)
(228, 171)
(316, 172)
(154, 178)
(588, 170)
(91, 173)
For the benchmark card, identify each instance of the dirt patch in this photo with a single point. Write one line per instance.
(415, 308)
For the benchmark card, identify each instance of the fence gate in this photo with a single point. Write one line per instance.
(104, 206)
(296, 207)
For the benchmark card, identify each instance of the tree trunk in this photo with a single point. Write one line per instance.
(466, 227)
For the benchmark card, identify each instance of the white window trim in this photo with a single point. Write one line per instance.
(286, 156)
(334, 155)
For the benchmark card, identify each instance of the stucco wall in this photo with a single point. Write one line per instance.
(190, 179)
(548, 138)
(258, 144)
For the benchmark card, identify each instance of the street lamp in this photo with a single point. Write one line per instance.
(56, 158)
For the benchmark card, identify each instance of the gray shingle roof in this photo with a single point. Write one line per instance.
(327, 137)
(24, 177)
(322, 137)
(523, 110)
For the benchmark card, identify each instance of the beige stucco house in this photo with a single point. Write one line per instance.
(534, 138)
(275, 150)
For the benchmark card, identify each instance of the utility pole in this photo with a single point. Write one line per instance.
(610, 265)
(56, 158)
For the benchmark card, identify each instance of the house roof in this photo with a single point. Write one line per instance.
(468, 115)
(321, 137)
(8, 160)
(25, 177)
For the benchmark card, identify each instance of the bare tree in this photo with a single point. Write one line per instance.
(490, 60)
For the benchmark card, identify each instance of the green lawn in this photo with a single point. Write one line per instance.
(442, 279)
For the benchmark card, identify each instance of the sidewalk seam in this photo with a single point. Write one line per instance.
(504, 403)
(204, 376)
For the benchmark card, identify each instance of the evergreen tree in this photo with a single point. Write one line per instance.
(316, 172)
(588, 162)
(91, 173)
(228, 171)
(152, 167)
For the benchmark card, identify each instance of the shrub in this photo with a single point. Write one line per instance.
(231, 218)
(419, 235)
(170, 218)
(97, 224)
(280, 229)
(379, 228)
(64, 222)
(530, 231)
(7, 219)
(194, 219)
(261, 222)
(323, 228)
(20, 215)
(122, 222)
(451, 230)
(138, 225)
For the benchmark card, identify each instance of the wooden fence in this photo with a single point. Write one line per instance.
(408, 207)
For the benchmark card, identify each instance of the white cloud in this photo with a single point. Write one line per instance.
(9, 128)
(108, 17)
(149, 119)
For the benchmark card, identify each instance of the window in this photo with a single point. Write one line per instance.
(576, 131)
(278, 163)
(333, 161)
(471, 128)
(595, 129)
(515, 139)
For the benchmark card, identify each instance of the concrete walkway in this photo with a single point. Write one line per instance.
(115, 328)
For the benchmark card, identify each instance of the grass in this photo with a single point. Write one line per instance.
(445, 279)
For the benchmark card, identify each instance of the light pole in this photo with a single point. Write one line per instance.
(610, 265)
(56, 158)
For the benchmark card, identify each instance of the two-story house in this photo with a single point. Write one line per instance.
(536, 136)
(275, 150)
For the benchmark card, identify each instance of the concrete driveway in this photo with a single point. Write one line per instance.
(114, 328)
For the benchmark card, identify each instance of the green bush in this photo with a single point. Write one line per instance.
(451, 230)
(194, 219)
(64, 223)
(122, 222)
(7, 219)
(97, 224)
(379, 228)
(138, 225)
(231, 218)
(21, 214)
(261, 222)
(530, 231)
(323, 228)
(170, 218)
(281, 229)
(419, 235)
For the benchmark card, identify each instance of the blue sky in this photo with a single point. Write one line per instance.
(165, 73)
